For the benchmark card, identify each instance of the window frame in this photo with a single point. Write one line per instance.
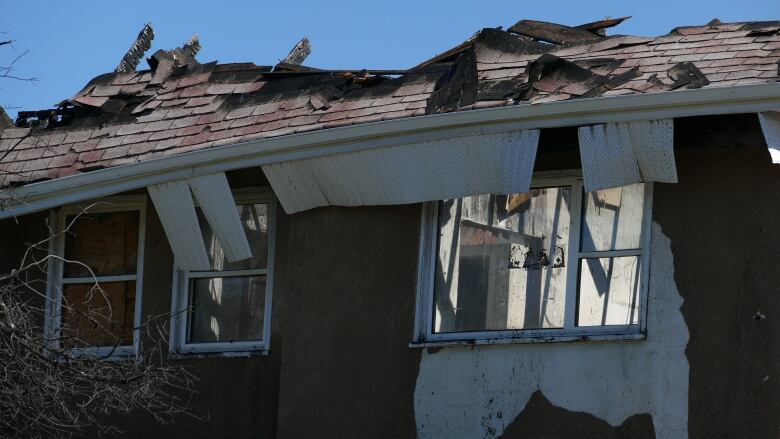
(428, 252)
(56, 279)
(181, 296)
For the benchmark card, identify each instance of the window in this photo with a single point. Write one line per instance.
(95, 283)
(552, 263)
(228, 308)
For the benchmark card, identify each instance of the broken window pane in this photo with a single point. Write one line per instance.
(107, 243)
(609, 291)
(226, 309)
(254, 218)
(501, 261)
(93, 316)
(613, 218)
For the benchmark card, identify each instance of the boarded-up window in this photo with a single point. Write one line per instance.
(99, 277)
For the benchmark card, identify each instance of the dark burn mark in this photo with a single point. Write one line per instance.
(457, 87)
(540, 419)
(686, 74)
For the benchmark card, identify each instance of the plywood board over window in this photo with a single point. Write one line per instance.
(95, 282)
(555, 263)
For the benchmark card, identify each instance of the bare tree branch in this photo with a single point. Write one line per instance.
(51, 384)
(5, 72)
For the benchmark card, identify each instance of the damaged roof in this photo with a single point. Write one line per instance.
(181, 105)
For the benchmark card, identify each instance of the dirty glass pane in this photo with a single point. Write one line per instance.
(613, 218)
(91, 317)
(254, 218)
(105, 242)
(227, 309)
(609, 291)
(501, 261)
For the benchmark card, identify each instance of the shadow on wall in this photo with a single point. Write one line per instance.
(542, 420)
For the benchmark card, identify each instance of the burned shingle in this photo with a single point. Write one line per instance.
(457, 87)
(502, 89)
(686, 74)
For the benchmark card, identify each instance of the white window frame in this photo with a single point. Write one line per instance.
(429, 232)
(181, 291)
(55, 279)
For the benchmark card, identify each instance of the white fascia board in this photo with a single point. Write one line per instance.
(682, 103)
(173, 202)
(218, 206)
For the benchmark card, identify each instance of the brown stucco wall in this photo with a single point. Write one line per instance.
(722, 222)
(344, 296)
(347, 299)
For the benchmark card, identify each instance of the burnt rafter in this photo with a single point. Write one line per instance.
(553, 33)
(299, 53)
(192, 47)
(599, 27)
(133, 56)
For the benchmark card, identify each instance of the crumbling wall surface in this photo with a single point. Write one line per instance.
(346, 320)
(486, 391)
(722, 222)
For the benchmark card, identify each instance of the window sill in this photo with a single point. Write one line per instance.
(527, 340)
(227, 354)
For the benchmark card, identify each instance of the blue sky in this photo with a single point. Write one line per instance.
(70, 42)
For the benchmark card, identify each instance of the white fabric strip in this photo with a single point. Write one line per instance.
(174, 206)
(410, 173)
(770, 125)
(618, 154)
(215, 200)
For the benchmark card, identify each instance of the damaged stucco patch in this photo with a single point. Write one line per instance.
(477, 392)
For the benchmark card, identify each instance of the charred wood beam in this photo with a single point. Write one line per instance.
(598, 27)
(133, 56)
(552, 33)
(298, 53)
(192, 47)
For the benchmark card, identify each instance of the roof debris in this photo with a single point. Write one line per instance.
(553, 33)
(298, 53)
(191, 47)
(686, 74)
(180, 105)
(599, 27)
(133, 56)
